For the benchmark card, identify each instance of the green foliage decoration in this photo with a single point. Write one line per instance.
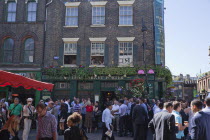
(85, 73)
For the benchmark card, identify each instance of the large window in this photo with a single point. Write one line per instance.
(98, 15)
(126, 15)
(125, 53)
(11, 12)
(70, 53)
(97, 53)
(8, 50)
(29, 50)
(71, 16)
(31, 11)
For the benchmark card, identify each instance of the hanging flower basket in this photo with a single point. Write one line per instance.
(137, 87)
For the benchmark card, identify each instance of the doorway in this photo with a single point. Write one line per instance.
(106, 95)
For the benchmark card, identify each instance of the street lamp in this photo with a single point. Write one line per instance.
(209, 50)
(144, 30)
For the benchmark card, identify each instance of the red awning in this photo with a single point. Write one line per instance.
(15, 80)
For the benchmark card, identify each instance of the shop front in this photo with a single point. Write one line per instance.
(21, 84)
(103, 87)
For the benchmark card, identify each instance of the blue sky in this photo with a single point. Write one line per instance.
(187, 36)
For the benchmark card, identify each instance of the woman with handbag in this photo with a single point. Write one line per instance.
(63, 117)
(10, 128)
(28, 114)
(97, 114)
(74, 132)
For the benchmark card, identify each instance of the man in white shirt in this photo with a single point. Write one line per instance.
(115, 110)
(107, 121)
(28, 112)
(207, 102)
(159, 108)
(69, 108)
(122, 112)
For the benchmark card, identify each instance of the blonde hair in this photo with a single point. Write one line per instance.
(75, 118)
(12, 125)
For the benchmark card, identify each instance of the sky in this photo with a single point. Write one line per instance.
(187, 36)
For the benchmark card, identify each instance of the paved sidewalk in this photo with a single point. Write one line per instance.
(91, 136)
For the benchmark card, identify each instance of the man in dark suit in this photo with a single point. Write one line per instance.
(131, 114)
(201, 120)
(163, 124)
(140, 119)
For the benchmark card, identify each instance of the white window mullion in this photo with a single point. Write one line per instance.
(71, 16)
(125, 15)
(125, 55)
(97, 17)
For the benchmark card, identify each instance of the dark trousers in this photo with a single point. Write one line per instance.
(45, 138)
(83, 121)
(104, 136)
(139, 132)
(122, 124)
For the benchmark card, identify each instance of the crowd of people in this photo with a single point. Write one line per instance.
(167, 120)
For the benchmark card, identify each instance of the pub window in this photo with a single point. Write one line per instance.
(85, 85)
(109, 84)
(70, 53)
(29, 50)
(97, 53)
(62, 85)
(125, 53)
(8, 50)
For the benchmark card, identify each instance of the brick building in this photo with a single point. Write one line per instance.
(91, 33)
(203, 84)
(22, 41)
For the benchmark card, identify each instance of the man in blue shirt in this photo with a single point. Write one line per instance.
(178, 120)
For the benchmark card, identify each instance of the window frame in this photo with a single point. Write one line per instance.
(76, 53)
(24, 50)
(27, 11)
(102, 17)
(125, 64)
(125, 16)
(66, 17)
(91, 49)
(3, 50)
(13, 12)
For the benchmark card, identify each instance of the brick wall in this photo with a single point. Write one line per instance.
(20, 30)
(56, 31)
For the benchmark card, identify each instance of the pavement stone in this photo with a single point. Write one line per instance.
(91, 136)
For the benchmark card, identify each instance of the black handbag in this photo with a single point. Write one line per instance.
(98, 113)
(31, 116)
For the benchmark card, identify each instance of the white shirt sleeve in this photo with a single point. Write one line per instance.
(106, 119)
(120, 111)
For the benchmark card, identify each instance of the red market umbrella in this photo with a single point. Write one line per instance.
(15, 80)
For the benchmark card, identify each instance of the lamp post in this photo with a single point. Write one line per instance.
(144, 30)
(209, 50)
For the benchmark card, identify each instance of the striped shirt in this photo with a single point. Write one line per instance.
(47, 125)
(77, 108)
